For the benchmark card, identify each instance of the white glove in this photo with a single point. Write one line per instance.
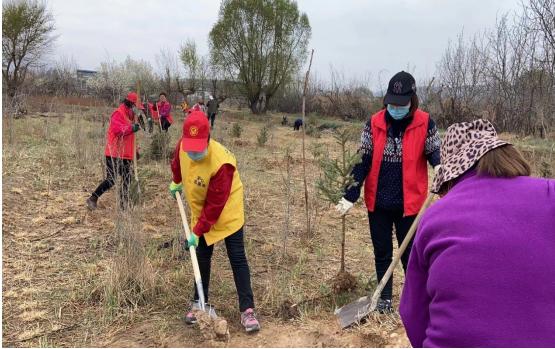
(343, 206)
(436, 169)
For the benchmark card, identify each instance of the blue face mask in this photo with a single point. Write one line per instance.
(197, 155)
(398, 112)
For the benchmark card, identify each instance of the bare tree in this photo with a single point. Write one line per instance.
(27, 35)
(170, 72)
(461, 74)
(506, 75)
(113, 80)
(58, 79)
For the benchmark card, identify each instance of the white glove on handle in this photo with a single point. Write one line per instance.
(343, 206)
(436, 169)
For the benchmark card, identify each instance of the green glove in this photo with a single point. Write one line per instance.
(174, 188)
(192, 240)
(136, 127)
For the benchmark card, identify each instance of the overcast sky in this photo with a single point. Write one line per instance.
(376, 38)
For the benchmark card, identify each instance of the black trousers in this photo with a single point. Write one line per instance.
(116, 167)
(235, 247)
(381, 232)
(165, 124)
(211, 117)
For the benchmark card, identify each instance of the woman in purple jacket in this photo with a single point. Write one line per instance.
(481, 272)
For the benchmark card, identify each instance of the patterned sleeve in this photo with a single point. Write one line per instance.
(433, 144)
(360, 171)
(366, 144)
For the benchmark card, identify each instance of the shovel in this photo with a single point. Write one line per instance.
(356, 311)
(207, 308)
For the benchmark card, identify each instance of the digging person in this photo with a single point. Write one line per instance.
(119, 152)
(481, 272)
(214, 192)
(162, 109)
(395, 145)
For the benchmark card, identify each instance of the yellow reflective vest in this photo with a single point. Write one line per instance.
(196, 177)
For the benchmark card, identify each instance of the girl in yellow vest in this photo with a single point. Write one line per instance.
(207, 172)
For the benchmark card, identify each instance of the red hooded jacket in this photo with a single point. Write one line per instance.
(120, 136)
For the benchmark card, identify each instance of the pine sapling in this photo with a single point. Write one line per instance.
(336, 176)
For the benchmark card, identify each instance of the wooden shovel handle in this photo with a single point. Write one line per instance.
(192, 250)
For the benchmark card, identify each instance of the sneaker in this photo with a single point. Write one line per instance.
(384, 306)
(91, 202)
(249, 321)
(190, 317)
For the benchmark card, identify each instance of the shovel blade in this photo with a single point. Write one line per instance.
(210, 310)
(354, 312)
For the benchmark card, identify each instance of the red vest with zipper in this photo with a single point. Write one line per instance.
(415, 169)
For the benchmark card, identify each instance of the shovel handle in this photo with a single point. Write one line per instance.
(192, 250)
(400, 252)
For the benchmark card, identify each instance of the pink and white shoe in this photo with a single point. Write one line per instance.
(190, 317)
(249, 321)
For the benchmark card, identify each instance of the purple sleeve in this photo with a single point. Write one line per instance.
(415, 301)
(165, 110)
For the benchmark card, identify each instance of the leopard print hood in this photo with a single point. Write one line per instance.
(462, 146)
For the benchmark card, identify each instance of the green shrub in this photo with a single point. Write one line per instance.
(236, 130)
(262, 137)
(313, 131)
(545, 170)
(328, 126)
(160, 146)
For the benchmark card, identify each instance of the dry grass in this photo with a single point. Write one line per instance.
(74, 278)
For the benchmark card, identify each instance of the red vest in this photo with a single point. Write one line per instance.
(415, 170)
(117, 144)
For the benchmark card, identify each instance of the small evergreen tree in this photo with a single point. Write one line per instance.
(336, 176)
(236, 130)
(262, 137)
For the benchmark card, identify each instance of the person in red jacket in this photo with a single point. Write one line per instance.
(162, 110)
(119, 151)
(395, 146)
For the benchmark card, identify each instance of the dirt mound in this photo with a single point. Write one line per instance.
(212, 328)
(288, 310)
(343, 281)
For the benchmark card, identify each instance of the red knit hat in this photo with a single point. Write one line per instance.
(196, 130)
(132, 97)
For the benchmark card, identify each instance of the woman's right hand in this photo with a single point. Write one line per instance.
(343, 206)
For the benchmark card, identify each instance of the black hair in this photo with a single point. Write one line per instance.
(128, 103)
(163, 94)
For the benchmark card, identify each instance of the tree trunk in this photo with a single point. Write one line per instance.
(258, 106)
(11, 88)
(254, 106)
(342, 244)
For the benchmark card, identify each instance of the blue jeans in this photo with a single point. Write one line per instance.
(235, 247)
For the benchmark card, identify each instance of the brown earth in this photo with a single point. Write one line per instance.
(58, 258)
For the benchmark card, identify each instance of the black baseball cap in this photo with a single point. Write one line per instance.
(400, 90)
